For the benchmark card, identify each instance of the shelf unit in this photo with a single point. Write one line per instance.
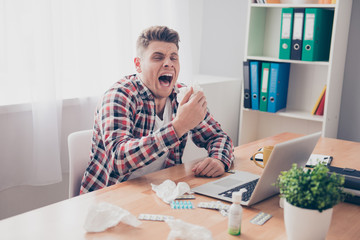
(306, 78)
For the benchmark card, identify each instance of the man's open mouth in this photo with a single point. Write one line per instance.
(165, 79)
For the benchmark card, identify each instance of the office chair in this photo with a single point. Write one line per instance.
(79, 144)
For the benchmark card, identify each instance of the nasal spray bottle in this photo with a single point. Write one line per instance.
(235, 213)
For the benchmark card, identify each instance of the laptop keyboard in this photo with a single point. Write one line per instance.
(250, 186)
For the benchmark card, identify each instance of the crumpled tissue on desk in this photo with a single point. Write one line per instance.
(168, 191)
(103, 215)
(181, 230)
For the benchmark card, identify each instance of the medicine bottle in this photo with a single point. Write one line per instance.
(235, 213)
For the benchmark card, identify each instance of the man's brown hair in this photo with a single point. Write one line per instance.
(156, 33)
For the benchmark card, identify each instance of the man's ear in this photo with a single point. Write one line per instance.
(137, 64)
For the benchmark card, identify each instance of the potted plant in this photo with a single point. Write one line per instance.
(309, 199)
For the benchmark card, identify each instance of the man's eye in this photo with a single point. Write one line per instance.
(174, 58)
(158, 58)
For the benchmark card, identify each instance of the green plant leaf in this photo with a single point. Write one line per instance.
(311, 189)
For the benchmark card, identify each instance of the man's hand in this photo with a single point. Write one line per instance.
(209, 167)
(190, 112)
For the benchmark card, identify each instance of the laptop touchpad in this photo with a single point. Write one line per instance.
(228, 182)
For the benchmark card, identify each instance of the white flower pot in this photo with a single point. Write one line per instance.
(301, 223)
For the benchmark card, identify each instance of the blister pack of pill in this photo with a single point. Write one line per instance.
(186, 196)
(154, 217)
(217, 205)
(181, 205)
(260, 218)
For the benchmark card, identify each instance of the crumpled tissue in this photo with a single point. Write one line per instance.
(105, 215)
(182, 91)
(168, 191)
(181, 230)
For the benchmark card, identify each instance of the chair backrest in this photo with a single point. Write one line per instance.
(79, 144)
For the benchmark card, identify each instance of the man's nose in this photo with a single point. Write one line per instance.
(168, 63)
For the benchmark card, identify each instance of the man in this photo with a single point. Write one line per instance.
(141, 128)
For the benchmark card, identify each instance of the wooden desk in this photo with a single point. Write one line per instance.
(65, 220)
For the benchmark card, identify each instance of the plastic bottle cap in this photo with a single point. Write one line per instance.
(236, 197)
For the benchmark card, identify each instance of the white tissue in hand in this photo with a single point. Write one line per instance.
(105, 215)
(181, 230)
(168, 190)
(182, 91)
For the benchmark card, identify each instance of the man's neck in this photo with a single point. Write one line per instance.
(160, 106)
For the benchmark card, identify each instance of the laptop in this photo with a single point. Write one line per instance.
(261, 187)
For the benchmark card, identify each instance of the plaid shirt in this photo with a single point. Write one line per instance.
(124, 141)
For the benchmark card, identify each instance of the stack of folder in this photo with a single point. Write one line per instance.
(266, 85)
(306, 34)
(351, 184)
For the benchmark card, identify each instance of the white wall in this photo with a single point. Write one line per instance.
(223, 38)
(196, 21)
(349, 122)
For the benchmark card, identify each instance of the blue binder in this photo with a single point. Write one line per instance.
(278, 86)
(255, 74)
(247, 85)
(297, 34)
